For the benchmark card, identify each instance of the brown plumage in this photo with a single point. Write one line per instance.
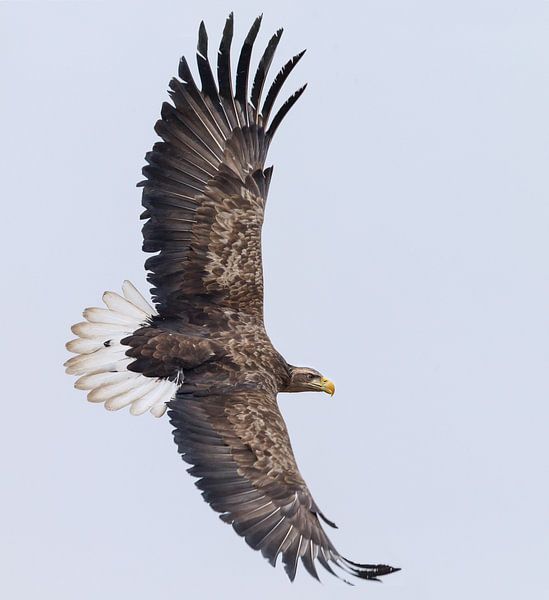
(204, 197)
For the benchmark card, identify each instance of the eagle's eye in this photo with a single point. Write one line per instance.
(310, 376)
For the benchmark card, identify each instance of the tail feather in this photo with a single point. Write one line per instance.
(155, 398)
(132, 294)
(84, 346)
(96, 380)
(101, 361)
(104, 315)
(118, 304)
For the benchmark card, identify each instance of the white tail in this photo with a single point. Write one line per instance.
(101, 360)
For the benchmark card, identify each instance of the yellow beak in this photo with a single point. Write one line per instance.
(327, 386)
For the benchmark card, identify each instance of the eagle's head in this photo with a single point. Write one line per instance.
(305, 379)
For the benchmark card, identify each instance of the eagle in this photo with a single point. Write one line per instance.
(200, 350)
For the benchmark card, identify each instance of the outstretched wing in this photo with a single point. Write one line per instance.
(239, 447)
(206, 184)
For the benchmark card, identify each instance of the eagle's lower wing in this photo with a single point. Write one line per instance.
(239, 447)
(206, 184)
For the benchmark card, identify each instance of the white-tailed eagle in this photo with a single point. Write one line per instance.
(202, 352)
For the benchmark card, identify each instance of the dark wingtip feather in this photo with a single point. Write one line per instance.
(370, 572)
(204, 68)
(229, 23)
(263, 69)
(243, 67)
(224, 59)
(202, 39)
(277, 85)
(284, 110)
(326, 520)
(185, 72)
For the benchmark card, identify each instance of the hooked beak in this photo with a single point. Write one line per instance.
(327, 386)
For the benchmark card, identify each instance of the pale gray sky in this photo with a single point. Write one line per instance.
(406, 247)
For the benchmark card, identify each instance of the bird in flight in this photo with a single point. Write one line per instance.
(202, 351)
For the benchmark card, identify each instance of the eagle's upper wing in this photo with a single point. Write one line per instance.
(206, 184)
(239, 447)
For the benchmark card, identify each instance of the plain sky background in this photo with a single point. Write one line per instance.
(406, 256)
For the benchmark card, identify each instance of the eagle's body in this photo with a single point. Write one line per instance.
(203, 350)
